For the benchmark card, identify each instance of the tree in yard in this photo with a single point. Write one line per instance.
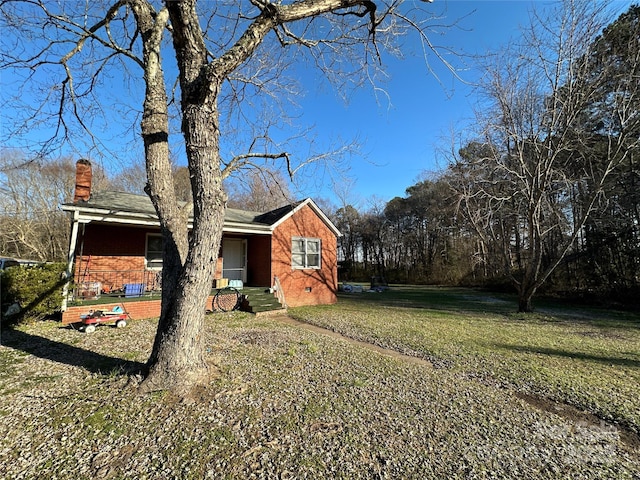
(374, 239)
(538, 152)
(347, 219)
(422, 223)
(224, 54)
(132, 179)
(611, 241)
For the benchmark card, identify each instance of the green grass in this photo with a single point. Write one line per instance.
(289, 402)
(587, 357)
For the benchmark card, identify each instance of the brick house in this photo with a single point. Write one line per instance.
(116, 244)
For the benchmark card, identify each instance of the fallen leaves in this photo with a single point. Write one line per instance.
(289, 404)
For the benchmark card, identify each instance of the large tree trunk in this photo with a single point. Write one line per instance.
(525, 302)
(177, 361)
(173, 222)
(155, 134)
(527, 288)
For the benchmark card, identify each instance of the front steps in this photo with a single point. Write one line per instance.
(259, 301)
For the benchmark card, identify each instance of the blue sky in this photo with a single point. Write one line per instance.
(400, 137)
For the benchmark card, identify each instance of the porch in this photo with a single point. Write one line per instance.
(115, 251)
(138, 292)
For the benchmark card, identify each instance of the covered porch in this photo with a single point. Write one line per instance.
(244, 262)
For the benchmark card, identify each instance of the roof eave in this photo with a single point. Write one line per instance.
(87, 215)
(92, 214)
(234, 227)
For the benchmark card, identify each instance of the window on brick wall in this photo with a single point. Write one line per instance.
(305, 252)
(153, 255)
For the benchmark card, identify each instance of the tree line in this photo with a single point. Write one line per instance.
(545, 195)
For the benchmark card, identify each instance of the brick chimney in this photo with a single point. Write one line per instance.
(83, 181)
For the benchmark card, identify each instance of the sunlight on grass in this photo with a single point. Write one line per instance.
(293, 402)
(589, 358)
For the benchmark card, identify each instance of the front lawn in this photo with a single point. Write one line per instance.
(289, 402)
(586, 357)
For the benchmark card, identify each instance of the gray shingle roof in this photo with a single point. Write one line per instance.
(122, 202)
(119, 202)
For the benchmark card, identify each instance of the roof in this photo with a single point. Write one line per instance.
(133, 209)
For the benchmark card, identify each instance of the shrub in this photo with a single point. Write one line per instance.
(37, 289)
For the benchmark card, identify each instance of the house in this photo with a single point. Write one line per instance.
(116, 246)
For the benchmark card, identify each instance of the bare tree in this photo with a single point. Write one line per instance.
(130, 179)
(536, 149)
(32, 225)
(260, 190)
(225, 54)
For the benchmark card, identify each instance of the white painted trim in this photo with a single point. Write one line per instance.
(109, 216)
(243, 243)
(85, 214)
(71, 256)
(235, 227)
(316, 210)
(146, 251)
(306, 241)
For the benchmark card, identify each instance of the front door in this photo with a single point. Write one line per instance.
(234, 259)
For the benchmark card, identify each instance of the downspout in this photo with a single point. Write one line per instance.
(70, 259)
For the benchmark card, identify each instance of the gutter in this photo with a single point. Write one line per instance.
(89, 214)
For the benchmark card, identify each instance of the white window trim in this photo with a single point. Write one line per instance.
(146, 253)
(306, 253)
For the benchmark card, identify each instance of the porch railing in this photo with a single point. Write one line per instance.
(277, 287)
(95, 284)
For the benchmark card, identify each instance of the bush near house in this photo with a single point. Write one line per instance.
(37, 289)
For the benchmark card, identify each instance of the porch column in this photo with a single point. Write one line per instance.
(70, 258)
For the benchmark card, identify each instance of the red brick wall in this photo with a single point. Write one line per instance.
(121, 248)
(111, 248)
(137, 310)
(116, 248)
(308, 286)
(113, 240)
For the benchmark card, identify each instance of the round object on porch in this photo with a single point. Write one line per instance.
(226, 299)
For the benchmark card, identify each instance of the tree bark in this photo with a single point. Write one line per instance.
(525, 304)
(177, 361)
(166, 364)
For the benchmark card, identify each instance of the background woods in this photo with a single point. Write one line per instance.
(546, 195)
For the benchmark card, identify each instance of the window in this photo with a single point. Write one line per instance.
(154, 251)
(305, 252)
